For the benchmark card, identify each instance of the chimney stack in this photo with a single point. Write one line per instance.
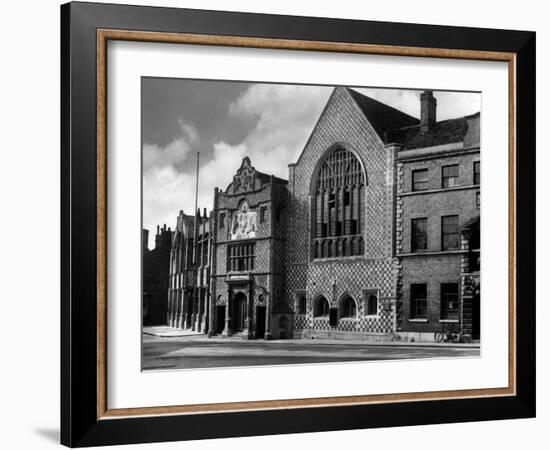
(145, 238)
(157, 237)
(428, 106)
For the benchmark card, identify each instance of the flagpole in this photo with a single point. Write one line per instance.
(196, 206)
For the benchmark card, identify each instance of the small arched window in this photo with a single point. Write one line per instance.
(348, 307)
(372, 305)
(338, 206)
(320, 307)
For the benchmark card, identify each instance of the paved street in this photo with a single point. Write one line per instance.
(199, 352)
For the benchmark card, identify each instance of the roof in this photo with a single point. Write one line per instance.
(381, 116)
(394, 126)
(440, 133)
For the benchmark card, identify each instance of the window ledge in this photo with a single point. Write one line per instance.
(448, 320)
(439, 189)
(372, 316)
(338, 258)
(433, 253)
(418, 320)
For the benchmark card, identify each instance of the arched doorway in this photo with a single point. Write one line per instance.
(238, 311)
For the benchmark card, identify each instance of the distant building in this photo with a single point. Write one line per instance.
(375, 234)
(189, 285)
(155, 276)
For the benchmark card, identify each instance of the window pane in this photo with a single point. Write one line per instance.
(302, 304)
(419, 234)
(372, 305)
(449, 301)
(320, 307)
(338, 204)
(477, 174)
(450, 176)
(240, 257)
(449, 232)
(263, 210)
(419, 179)
(418, 301)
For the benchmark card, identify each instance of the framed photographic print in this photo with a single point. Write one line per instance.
(276, 224)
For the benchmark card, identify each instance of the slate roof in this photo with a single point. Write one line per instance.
(394, 126)
(444, 132)
(381, 116)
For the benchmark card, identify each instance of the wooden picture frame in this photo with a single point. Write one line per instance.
(85, 416)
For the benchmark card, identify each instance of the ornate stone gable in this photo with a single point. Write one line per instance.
(245, 178)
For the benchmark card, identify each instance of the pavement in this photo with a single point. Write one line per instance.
(168, 332)
(191, 351)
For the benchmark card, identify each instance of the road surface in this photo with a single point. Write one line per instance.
(199, 352)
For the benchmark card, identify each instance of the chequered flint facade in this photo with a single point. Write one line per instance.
(374, 236)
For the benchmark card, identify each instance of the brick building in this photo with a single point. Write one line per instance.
(155, 276)
(375, 233)
(250, 231)
(189, 281)
(437, 227)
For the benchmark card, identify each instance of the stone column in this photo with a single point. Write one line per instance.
(168, 306)
(172, 309)
(194, 309)
(226, 331)
(181, 316)
(211, 299)
(200, 309)
(177, 310)
(247, 320)
(268, 334)
(187, 309)
(206, 309)
(268, 306)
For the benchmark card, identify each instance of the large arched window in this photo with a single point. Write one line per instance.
(338, 206)
(320, 307)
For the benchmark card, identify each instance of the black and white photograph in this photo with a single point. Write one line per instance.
(301, 224)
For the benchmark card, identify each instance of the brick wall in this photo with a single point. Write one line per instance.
(433, 266)
(433, 271)
(342, 123)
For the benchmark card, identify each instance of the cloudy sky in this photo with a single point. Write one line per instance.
(226, 121)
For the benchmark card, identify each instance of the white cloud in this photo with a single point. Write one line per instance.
(175, 152)
(188, 131)
(286, 116)
(167, 191)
